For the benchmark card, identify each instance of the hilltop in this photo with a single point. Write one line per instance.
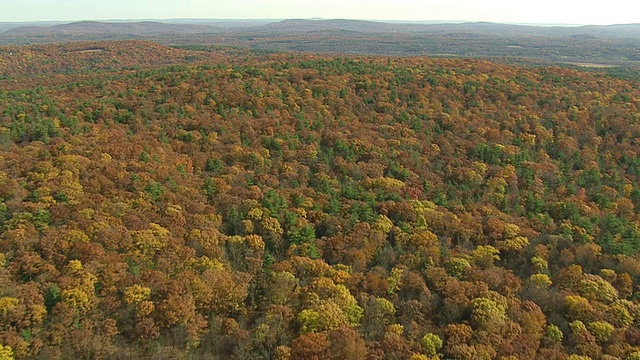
(87, 57)
(89, 28)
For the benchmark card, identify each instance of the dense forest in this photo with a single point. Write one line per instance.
(170, 204)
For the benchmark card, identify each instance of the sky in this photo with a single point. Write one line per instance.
(511, 11)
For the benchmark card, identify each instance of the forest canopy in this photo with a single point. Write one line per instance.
(179, 204)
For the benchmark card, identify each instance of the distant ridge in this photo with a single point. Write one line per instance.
(479, 28)
(138, 28)
(599, 45)
(201, 26)
(338, 24)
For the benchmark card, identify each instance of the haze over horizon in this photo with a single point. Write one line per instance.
(502, 11)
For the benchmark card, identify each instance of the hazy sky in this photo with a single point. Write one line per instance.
(527, 11)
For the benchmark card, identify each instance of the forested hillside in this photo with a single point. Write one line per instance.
(88, 57)
(293, 206)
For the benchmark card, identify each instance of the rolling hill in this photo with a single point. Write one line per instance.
(615, 45)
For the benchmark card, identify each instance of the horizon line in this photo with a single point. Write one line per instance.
(312, 19)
